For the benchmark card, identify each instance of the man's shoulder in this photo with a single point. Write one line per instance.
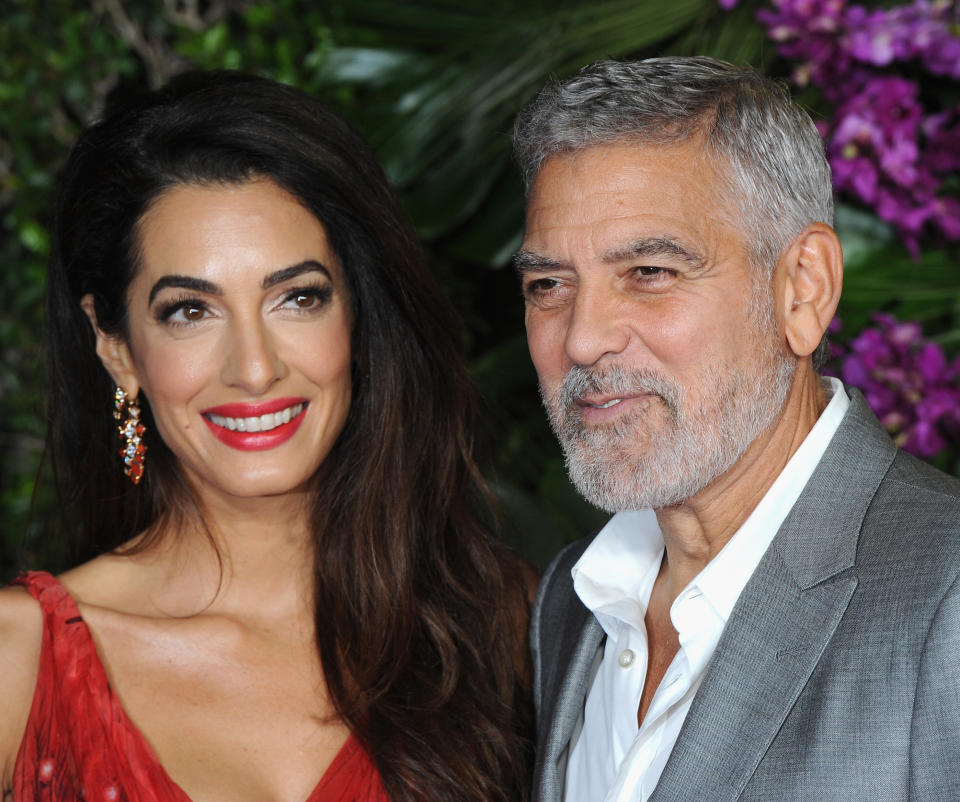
(918, 497)
(913, 520)
(911, 501)
(911, 476)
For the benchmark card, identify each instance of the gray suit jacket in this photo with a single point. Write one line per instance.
(837, 676)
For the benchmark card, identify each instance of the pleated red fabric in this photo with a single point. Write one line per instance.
(80, 746)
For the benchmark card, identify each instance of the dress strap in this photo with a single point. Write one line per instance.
(56, 603)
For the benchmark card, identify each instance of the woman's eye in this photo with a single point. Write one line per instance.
(182, 313)
(307, 299)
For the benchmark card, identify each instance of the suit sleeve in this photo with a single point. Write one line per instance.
(935, 728)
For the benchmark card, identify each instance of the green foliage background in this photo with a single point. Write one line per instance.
(434, 86)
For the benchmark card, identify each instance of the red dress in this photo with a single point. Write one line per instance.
(79, 745)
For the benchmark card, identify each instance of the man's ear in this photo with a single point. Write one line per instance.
(812, 276)
(113, 351)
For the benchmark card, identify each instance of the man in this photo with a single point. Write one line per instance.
(772, 613)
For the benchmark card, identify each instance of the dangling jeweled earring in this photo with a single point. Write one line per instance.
(131, 432)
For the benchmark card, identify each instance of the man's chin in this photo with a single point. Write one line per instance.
(616, 481)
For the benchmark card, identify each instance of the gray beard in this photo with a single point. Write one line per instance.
(612, 466)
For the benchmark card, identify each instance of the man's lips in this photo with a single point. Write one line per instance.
(608, 400)
(253, 427)
(604, 402)
(598, 408)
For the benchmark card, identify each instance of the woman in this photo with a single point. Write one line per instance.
(293, 599)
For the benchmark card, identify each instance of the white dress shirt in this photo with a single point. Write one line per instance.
(612, 760)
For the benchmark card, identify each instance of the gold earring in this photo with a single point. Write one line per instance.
(131, 432)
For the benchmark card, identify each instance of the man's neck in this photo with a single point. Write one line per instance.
(694, 532)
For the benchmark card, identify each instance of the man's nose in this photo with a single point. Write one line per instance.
(252, 362)
(596, 328)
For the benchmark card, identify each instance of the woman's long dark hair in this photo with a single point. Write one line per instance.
(419, 612)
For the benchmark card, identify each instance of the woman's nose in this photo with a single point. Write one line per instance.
(252, 362)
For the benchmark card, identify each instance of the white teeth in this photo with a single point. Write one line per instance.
(258, 423)
(610, 403)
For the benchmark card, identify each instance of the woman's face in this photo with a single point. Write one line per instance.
(239, 336)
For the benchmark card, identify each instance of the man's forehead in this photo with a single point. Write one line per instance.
(688, 155)
(664, 196)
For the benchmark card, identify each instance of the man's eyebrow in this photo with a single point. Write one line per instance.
(287, 273)
(185, 282)
(654, 246)
(209, 288)
(525, 261)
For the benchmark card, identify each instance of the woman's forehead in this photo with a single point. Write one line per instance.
(230, 232)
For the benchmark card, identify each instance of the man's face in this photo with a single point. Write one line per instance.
(659, 356)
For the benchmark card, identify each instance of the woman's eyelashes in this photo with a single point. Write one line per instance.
(188, 311)
(307, 299)
(181, 311)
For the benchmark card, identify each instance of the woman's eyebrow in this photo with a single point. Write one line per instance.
(209, 288)
(287, 273)
(185, 282)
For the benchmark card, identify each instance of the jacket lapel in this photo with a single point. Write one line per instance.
(582, 637)
(761, 664)
(782, 622)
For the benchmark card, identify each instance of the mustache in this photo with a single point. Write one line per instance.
(618, 381)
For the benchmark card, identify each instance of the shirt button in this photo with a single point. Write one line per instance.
(626, 658)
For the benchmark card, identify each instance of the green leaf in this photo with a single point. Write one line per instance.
(35, 238)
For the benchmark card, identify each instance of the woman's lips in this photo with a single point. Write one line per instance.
(256, 427)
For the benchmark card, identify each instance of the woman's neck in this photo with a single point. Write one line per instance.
(241, 557)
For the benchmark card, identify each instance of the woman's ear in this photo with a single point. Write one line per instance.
(812, 279)
(113, 351)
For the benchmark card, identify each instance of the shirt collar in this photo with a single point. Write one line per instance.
(615, 574)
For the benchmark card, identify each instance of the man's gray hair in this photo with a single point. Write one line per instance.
(766, 149)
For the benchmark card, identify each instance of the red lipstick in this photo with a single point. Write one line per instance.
(229, 423)
(253, 410)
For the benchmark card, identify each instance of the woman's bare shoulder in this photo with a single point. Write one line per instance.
(21, 631)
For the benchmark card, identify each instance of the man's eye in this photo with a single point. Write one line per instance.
(650, 273)
(547, 292)
(541, 285)
(546, 288)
